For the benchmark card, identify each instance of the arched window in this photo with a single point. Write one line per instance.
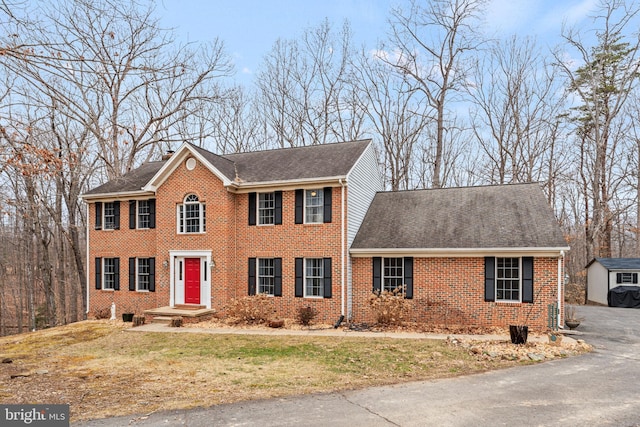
(191, 215)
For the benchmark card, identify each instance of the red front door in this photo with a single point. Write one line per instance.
(192, 281)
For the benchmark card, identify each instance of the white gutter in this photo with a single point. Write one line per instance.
(343, 255)
(122, 195)
(458, 252)
(88, 260)
(560, 293)
(247, 187)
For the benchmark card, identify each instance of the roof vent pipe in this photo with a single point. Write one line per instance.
(167, 155)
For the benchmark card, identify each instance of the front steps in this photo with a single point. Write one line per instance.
(190, 314)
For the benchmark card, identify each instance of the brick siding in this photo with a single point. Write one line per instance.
(231, 242)
(447, 291)
(450, 292)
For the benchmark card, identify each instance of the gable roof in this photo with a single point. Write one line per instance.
(501, 218)
(299, 163)
(309, 163)
(618, 263)
(130, 182)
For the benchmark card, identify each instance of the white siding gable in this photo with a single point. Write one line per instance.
(363, 181)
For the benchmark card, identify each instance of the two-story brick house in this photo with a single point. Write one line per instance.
(200, 229)
(311, 226)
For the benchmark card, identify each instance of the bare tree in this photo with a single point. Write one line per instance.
(602, 84)
(109, 66)
(434, 41)
(92, 88)
(391, 108)
(517, 115)
(304, 92)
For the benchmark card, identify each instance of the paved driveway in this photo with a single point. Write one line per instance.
(601, 388)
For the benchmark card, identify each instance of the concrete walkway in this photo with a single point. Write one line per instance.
(341, 332)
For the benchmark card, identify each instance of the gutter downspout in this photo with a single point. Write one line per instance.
(560, 289)
(88, 260)
(343, 249)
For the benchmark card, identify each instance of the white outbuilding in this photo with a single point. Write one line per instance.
(605, 274)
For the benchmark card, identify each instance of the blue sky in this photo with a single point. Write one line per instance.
(250, 27)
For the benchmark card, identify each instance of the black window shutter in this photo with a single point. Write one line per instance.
(377, 274)
(489, 278)
(132, 214)
(618, 277)
(326, 267)
(98, 215)
(152, 274)
(408, 277)
(152, 213)
(252, 208)
(116, 282)
(116, 215)
(327, 204)
(527, 279)
(132, 274)
(277, 277)
(278, 207)
(299, 206)
(299, 277)
(635, 278)
(98, 273)
(252, 276)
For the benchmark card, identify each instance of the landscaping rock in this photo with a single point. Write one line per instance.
(536, 357)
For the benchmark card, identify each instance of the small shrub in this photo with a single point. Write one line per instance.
(390, 308)
(176, 322)
(306, 315)
(276, 324)
(102, 313)
(252, 309)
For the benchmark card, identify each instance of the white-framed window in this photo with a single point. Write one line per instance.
(109, 216)
(191, 215)
(266, 276)
(393, 274)
(508, 279)
(314, 206)
(313, 277)
(109, 273)
(266, 208)
(143, 276)
(144, 214)
(626, 278)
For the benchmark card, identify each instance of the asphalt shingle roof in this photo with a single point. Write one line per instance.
(506, 216)
(315, 161)
(288, 164)
(620, 263)
(131, 181)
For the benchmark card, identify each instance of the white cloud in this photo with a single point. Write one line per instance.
(246, 70)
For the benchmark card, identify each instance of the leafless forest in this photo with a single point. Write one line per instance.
(90, 89)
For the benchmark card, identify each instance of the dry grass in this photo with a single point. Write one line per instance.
(102, 370)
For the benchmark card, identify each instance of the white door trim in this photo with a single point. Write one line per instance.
(205, 276)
